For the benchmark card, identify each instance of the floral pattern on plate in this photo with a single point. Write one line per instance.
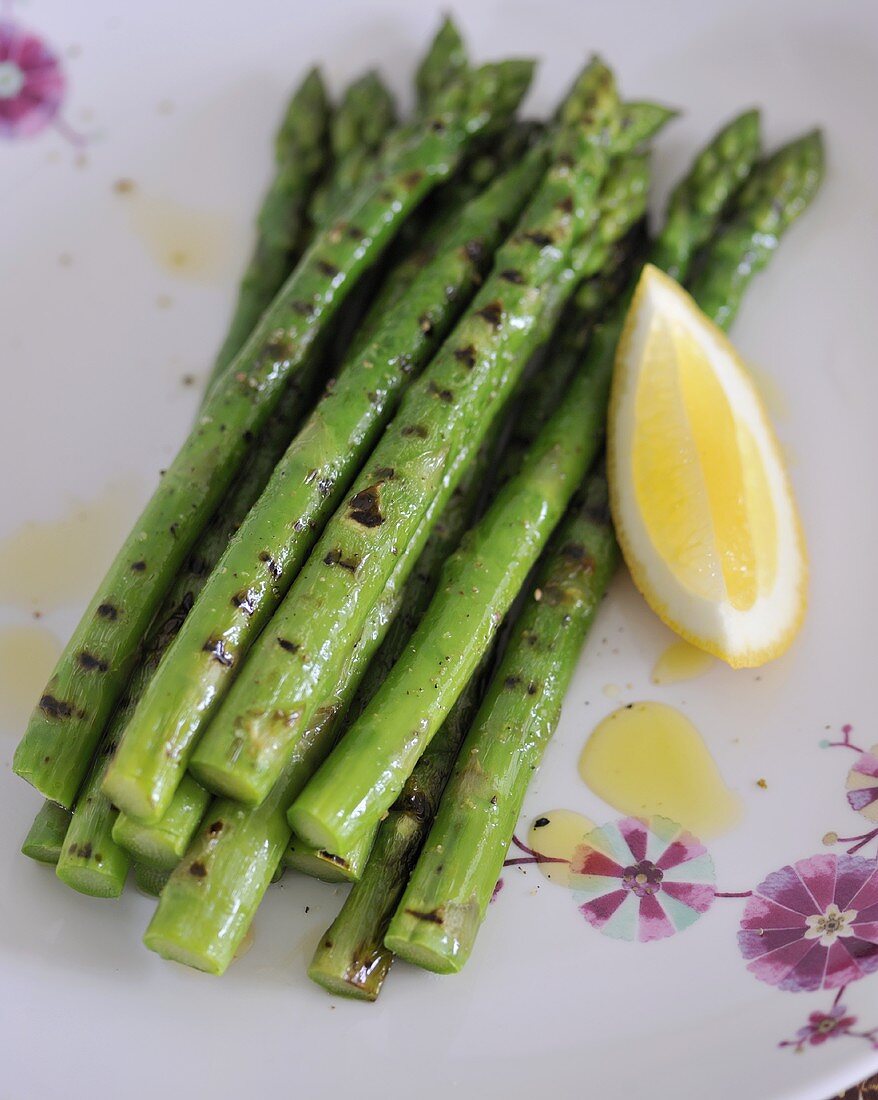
(808, 926)
(813, 924)
(642, 880)
(31, 82)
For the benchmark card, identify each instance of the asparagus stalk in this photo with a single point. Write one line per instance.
(452, 407)
(775, 194)
(445, 902)
(444, 63)
(478, 811)
(91, 830)
(365, 774)
(46, 835)
(163, 845)
(307, 484)
(465, 502)
(210, 900)
(94, 862)
(375, 744)
(351, 958)
(717, 173)
(430, 238)
(85, 865)
(68, 721)
(356, 133)
(301, 153)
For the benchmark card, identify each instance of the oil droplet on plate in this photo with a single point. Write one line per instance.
(27, 657)
(47, 563)
(558, 833)
(681, 661)
(186, 241)
(612, 691)
(648, 758)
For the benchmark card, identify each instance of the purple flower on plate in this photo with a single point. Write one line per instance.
(641, 880)
(31, 82)
(813, 924)
(824, 1025)
(862, 784)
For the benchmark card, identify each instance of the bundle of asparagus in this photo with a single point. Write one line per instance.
(297, 658)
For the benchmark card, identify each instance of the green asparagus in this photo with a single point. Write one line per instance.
(90, 860)
(338, 964)
(351, 958)
(772, 198)
(67, 723)
(162, 846)
(435, 926)
(95, 832)
(301, 153)
(212, 895)
(46, 835)
(639, 121)
(94, 862)
(430, 235)
(344, 831)
(307, 485)
(445, 62)
(441, 423)
(718, 172)
(442, 909)
(356, 132)
(466, 501)
(363, 776)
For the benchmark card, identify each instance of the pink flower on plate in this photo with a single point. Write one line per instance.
(31, 82)
(825, 1025)
(862, 784)
(641, 880)
(813, 924)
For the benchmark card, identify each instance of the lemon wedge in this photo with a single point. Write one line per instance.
(703, 506)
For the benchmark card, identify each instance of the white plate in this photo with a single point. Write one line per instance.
(96, 337)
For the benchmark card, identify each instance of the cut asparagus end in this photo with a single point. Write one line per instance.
(439, 939)
(360, 983)
(225, 782)
(314, 830)
(169, 947)
(46, 835)
(162, 846)
(330, 866)
(428, 956)
(128, 793)
(150, 848)
(87, 877)
(41, 852)
(319, 864)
